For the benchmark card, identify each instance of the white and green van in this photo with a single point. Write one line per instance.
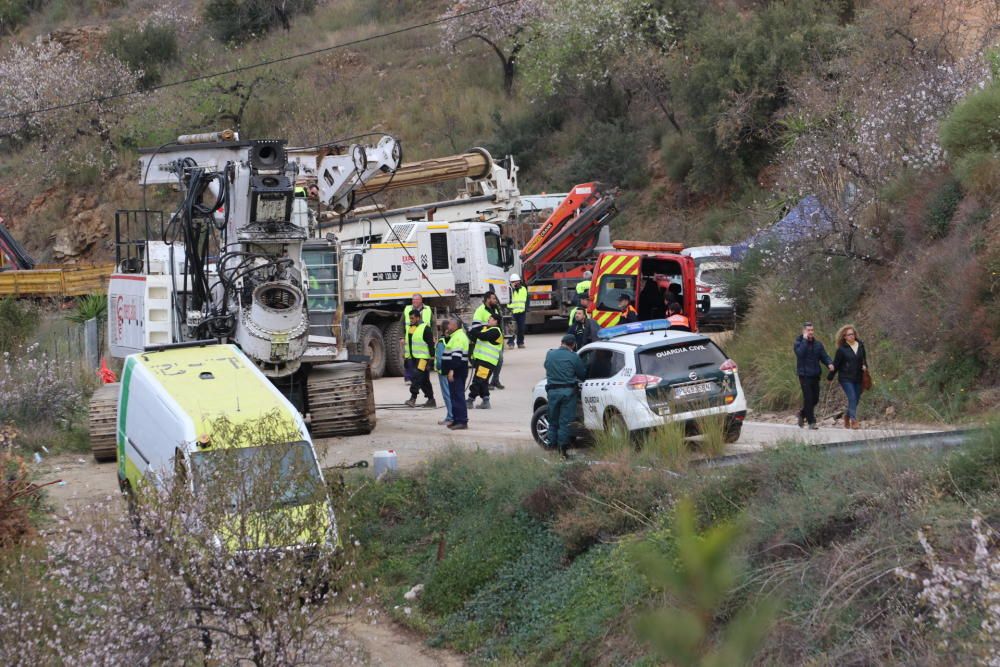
(193, 414)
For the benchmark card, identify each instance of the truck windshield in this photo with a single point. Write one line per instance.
(678, 360)
(493, 255)
(280, 475)
(611, 289)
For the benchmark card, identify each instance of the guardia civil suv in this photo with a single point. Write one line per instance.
(642, 375)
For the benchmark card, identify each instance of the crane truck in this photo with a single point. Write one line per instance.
(230, 264)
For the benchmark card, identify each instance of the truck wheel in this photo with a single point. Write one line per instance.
(540, 426)
(372, 344)
(393, 348)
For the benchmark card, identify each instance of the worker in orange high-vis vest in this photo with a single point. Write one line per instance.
(678, 322)
(628, 311)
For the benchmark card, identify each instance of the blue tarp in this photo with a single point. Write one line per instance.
(807, 219)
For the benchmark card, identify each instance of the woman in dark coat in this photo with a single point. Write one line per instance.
(850, 362)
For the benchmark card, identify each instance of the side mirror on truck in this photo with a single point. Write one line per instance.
(705, 303)
(357, 262)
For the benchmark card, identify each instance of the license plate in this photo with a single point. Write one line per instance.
(541, 302)
(694, 389)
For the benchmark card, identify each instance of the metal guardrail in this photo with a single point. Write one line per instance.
(939, 440)
(56, 282)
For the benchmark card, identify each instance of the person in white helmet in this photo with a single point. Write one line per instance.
(518, 306)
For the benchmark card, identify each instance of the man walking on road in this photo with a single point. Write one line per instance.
(455, 362)
(809, 353)
(564, 370)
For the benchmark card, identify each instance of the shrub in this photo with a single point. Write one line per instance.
(976, 467)
(18, 322)
(522, 134)
(974, 125)
(91, 306)
(33, 387)
(675, 152)
(14, 13)
(609, 152)
(144, 49)
(234, 21)
(941, 208)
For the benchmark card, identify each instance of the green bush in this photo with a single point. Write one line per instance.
(14, 13)
(234, 21)
(974, 125)
(976, 467)
(610, 152)
(18, 322)
(144, 49)
(88, 307)
(522, 134)
(675, 152)
(941, 208)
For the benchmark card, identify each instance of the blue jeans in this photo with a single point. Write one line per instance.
(446, 394)
(459, 410)
(853, 392)
(519, 327)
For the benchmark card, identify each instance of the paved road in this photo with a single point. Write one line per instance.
(416, 436)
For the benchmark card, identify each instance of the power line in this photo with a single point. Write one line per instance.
(264, 63)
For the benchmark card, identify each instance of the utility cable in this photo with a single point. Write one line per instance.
(263, 63)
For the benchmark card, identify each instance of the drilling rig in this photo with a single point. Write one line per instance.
(228, 265)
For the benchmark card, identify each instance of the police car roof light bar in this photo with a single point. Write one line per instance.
(632, 328)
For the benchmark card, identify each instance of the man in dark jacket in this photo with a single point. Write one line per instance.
(809, 353)
(583, 328)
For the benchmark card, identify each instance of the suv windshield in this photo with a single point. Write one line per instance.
(715, 276)
(679, 359)
(284, 474)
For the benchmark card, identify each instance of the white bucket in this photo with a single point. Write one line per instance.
(384, 463)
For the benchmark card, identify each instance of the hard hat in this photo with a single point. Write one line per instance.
(514, 278)
(587, 275)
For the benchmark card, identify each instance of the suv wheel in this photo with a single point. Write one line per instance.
(540, 426)
(614, 424)
(733, 430)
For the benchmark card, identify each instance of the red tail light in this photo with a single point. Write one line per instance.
(704, 289)
(728, 366)
(641, 382)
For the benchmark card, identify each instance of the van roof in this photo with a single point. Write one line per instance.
(208, 382)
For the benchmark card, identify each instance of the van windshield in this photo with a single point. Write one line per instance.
(280, 475)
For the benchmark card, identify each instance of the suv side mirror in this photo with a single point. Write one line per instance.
(357, 262)
(705, 303)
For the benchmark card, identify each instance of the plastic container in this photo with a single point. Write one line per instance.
(384, 463)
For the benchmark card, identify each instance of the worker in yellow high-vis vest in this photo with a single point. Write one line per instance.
(416, 304)
(518, 306)
(485, 358)
(420, 348)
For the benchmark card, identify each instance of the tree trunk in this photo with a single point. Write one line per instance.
(508, 76)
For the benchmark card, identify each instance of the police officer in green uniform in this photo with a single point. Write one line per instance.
(564, 370)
